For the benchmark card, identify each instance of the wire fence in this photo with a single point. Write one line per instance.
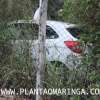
(18, 66)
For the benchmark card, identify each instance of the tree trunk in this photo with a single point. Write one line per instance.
(41, 47)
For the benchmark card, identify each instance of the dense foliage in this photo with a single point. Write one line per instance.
(87, 14)
(24, 9)
(15, 9)
(16, 69)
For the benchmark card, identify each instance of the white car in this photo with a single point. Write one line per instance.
(62, 43)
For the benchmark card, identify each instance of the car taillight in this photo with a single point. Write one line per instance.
(74, 46)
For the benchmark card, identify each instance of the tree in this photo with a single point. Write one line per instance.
(41, 47)
(16, 9)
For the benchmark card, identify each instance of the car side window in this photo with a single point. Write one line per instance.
(50, 33)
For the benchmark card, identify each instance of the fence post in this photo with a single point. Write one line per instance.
(41, 47)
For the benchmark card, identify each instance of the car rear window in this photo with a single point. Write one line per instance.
(75, 32)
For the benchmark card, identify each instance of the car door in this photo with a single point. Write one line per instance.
(52, 39)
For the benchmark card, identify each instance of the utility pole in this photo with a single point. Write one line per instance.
(41, 47)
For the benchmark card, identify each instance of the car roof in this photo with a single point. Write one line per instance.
(65, 24)
(52, 22)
